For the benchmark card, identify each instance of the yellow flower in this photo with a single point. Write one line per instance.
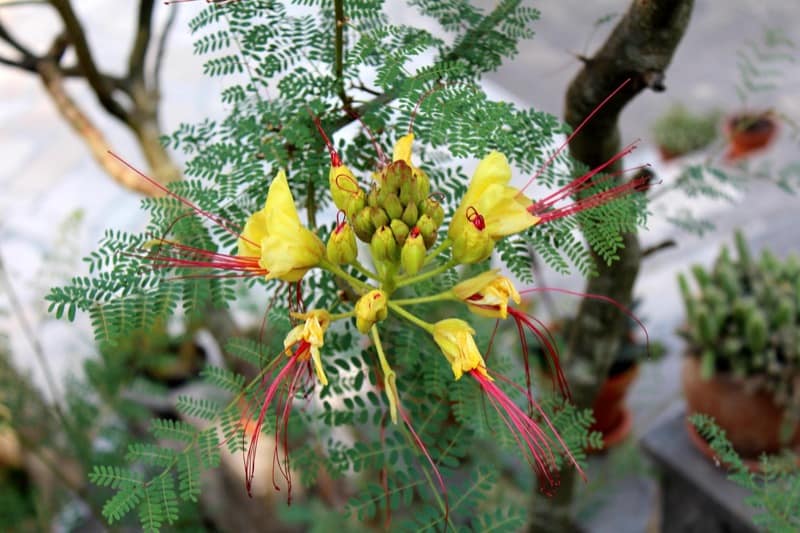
(454, 338)
(371, 308)
(487, 294)
(311, 332)
(490, 205)
(286, 249)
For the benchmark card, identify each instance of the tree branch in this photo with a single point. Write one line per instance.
(141, 42)
(338, 58)
(98, 82)
(77, 119)
(161, 49)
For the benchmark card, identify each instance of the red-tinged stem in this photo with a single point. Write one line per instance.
(215, 219)
(575, 132)
(436, 473)
(599, 297)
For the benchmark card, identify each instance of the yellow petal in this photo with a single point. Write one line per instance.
(493, 169)
(280, 201)
(455, 339)
(475, 285)
(402, 149)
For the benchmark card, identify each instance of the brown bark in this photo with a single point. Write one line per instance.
(640, 47)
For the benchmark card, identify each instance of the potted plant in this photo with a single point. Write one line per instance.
(680, 131)
(743, 348)
(748, 132)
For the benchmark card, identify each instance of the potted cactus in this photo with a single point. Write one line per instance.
(679, 131)
(743, 347)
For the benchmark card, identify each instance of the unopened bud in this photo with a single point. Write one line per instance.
(343, 186)
(363, 226)
(383, 245)
(428, 229)
(408, 192)
(433, 209)
(422, 185)
(396, 174)
(412, 255)
(393, 206)
(372, 197)
(400, 231)
(355, 203)
(371, 308)
(410, 215)
(378, 217)
(342, 247)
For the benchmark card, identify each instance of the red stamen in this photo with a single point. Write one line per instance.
(573, 134)
(422, 98)
(476, 218)
(382, 159)
(548, 344)
(213, 218)
(349, 180)
(599, 297)
(336, 161)
(341, 221)
(414, 232)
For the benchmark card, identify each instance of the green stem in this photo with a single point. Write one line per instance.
(402, 282)
(446, 295)
(364, 270)
(438, 250)
(411, 318)
(354, 282)
(340, 316)
(389, 377)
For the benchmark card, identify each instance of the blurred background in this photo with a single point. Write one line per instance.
(57, 201)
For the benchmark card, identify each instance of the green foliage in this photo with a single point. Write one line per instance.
(277, 64)
(744, 320)
(679, 131)
(774, 489)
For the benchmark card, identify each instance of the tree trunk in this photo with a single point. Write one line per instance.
(639, 48)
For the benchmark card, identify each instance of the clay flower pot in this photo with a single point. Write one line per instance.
(748, 133)
(612, 417)
(752, 421)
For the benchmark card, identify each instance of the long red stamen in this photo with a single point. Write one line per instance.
(336, 161)
(548, 344)
(250, 458)
(221, 222)
(436, 473)
(422, 98)
(382, 159)
(599, 297)
(574, 133)
(525, 429)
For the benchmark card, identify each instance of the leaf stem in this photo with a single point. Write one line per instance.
(364, 270)
(402, 282)
(388, 376)
(438, 250)
(446, 295)
(410, 317)
(336, 270)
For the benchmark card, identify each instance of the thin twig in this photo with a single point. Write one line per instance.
(161, 48)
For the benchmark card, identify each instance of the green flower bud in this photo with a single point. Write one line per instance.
(422, 185)
(363, 226)
(341, 248)
(410, 215)
(383, 245)
(428, 229)
(372, 197)
(396, 174)
(392, 206)
(412, 255)
(355, 203)
(343, 186)
(433, 209)
(378, 217)
(408, 193)
(400, 231)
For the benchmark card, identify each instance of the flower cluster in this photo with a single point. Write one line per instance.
(400, 221)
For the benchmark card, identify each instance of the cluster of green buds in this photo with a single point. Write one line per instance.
(745, 319)
(397, 217)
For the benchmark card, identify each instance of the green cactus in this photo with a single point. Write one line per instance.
(744, 319)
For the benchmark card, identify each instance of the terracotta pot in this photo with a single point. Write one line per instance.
(748, 133)
(667, 154)
(612, 417)
(752, 421)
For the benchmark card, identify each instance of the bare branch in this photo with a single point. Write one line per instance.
(14, 43)
(77, 119)
(24, 63)
(100, 83)
(142, 41)
(161, 48)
